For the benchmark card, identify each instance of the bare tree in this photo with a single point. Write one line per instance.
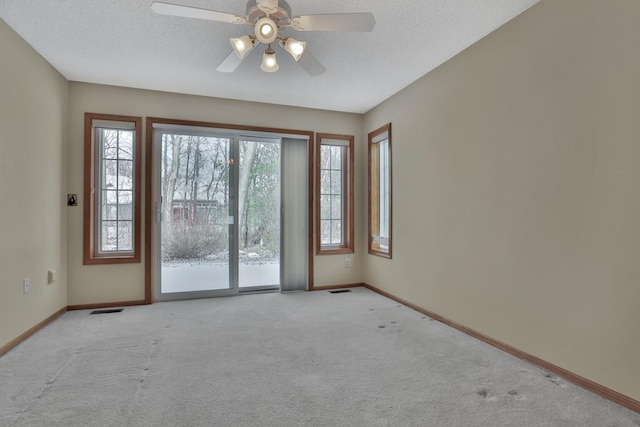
(171, 176)
(248, 154)
(216, 189)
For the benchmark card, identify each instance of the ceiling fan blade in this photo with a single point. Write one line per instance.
(311, 65)
(194, 12)
(230, 63)
(360, 22)
(268, 6)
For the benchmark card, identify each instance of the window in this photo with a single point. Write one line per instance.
(334, 195)
(380, 192)
(111, 189)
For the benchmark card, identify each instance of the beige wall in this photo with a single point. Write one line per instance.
(516, 188)
(33, 134)
(109, 283)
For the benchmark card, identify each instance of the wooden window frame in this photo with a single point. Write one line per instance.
(374, 193)
(89, 252)
(347, 196)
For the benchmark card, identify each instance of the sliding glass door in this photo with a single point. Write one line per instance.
(218, 213)
(259, 213)
(195, 208)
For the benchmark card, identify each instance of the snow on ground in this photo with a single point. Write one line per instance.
(201, 275)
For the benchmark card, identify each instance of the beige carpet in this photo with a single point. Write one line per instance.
(303, 359)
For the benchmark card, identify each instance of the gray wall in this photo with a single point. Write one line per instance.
(516, 188)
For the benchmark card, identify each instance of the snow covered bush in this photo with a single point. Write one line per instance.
(182, 241)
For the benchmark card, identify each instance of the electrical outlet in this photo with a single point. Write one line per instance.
(347, 262)
(26, 283)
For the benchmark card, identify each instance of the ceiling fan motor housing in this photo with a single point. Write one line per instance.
(281, 15)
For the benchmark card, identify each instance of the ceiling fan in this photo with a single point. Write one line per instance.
(269, 17)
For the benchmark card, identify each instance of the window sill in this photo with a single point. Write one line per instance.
(335, 251)
(111, 260)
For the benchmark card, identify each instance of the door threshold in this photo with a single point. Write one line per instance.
(260, 290)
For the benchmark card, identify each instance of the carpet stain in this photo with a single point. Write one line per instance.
(484, 393)
(372, 309)
(555, 380)
(393, 322)
(513, 392)
(382, 326)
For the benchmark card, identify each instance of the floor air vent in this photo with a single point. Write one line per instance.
(107, 311)
(339, 291)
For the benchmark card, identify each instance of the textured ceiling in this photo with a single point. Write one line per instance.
(122, 42)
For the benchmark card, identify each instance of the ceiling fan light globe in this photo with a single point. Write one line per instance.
(295, 47)
(269, 62)
(266, 30)
(242, 45)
